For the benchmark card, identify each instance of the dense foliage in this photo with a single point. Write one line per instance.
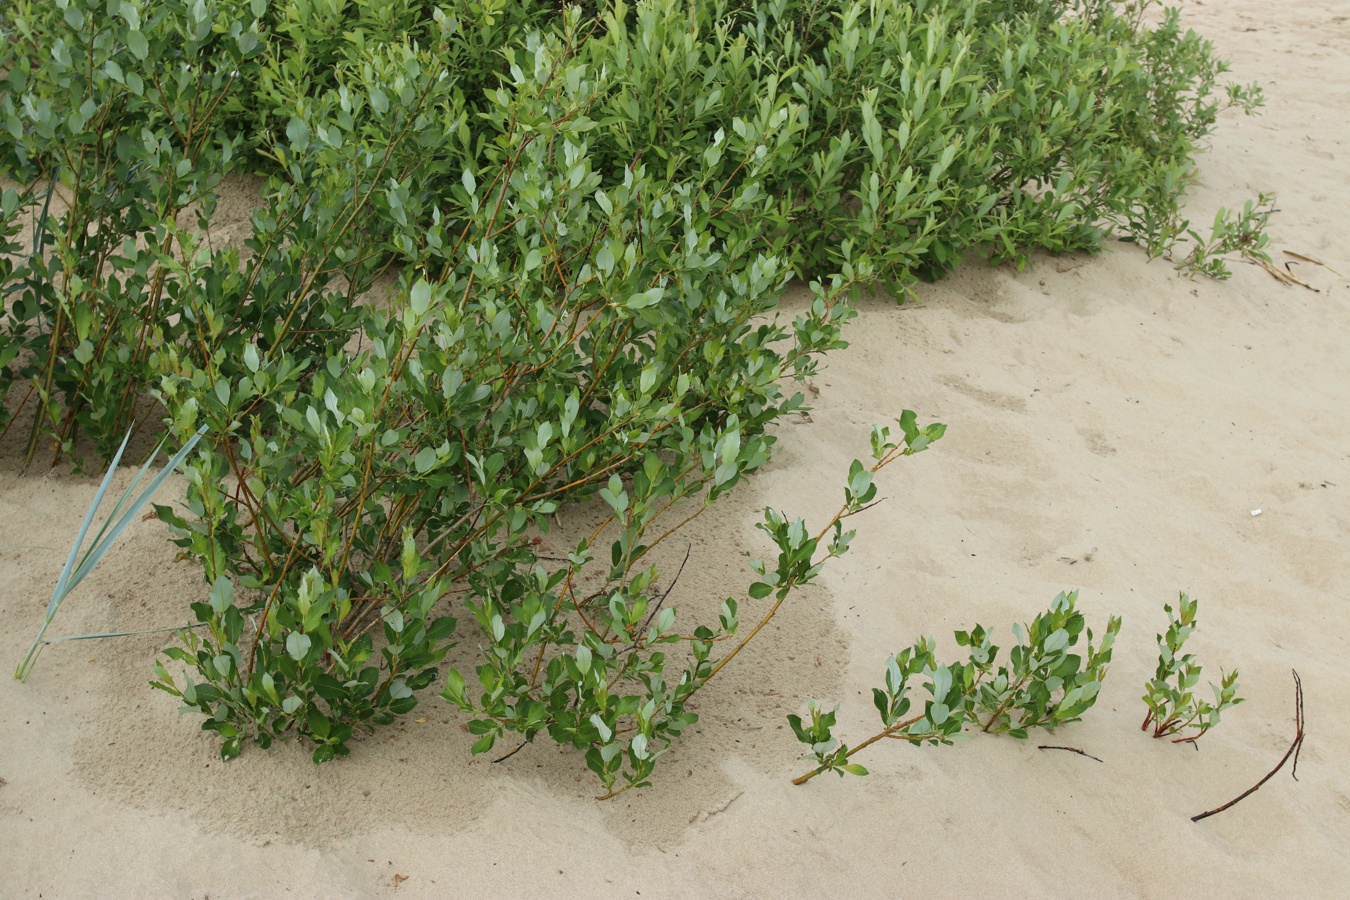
(593, 211)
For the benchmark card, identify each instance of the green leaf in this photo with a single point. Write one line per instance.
(646, 298)
(137, 44)
(605, 731)
(419, 297)
(297, 132)
(424, 460)
(297, 645)
(908, 420)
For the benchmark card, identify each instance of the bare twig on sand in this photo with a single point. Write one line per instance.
(1293, 751)
(1070, 749)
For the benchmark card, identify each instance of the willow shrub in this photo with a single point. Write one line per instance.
(125, 133)
(584, 336)
(925, 129)
(116, 121)
(595, 213)
(309, 45)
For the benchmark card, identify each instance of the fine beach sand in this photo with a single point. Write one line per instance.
(1112, 426)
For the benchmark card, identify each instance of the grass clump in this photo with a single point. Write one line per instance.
(78, 566)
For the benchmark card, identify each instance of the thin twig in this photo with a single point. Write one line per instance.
(1070, 749)
(513, 752)
(894, 731)
(660, 602)
(1294, 749)
(863, 509)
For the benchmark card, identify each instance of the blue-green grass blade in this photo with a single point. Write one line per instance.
(62, 583)
(113, 634)
(115, 524)
(100, 549)
(121, 502)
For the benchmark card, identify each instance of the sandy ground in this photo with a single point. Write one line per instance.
(1112, 426)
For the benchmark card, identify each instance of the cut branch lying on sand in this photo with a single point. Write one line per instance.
(1293, 751)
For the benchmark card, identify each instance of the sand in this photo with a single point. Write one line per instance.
(1112, 427)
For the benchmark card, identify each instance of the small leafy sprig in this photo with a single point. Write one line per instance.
(941, 721)
(1043, 686)
(1173, 709)
(1246, 97)
(1242, 233)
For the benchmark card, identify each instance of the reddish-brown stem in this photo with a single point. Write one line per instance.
(1294, 749)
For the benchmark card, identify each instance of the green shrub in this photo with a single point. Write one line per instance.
(12, 203)
(307, 45)
(589, 338)
(905, 133)
(126, 289)
(922, 130)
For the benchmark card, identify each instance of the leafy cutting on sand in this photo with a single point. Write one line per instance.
(1042, 685)
(1174, 709)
